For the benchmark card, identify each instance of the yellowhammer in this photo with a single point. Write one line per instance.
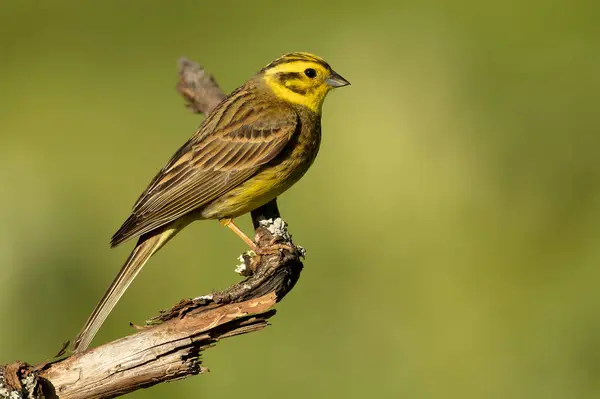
(255, 145)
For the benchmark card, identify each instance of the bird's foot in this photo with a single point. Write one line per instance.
(249, 260)
(274, 247)
(276, 241)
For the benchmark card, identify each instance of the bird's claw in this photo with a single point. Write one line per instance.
(273, 247)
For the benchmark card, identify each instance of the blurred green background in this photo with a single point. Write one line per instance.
(452, 219)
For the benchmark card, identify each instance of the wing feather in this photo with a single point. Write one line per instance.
(232, 144)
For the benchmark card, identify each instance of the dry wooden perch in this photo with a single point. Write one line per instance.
(169, 346)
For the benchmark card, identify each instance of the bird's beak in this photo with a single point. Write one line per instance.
(334, 80)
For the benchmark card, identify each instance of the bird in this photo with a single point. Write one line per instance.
(255, 144)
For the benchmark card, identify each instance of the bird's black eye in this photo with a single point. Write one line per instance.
(311, 73)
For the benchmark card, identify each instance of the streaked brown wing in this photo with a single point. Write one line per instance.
(231, 145)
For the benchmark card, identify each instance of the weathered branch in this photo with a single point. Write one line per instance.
(169, 346)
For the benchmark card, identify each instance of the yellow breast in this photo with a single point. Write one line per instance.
(272, 179)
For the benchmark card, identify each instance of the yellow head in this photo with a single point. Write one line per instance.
(301, 78)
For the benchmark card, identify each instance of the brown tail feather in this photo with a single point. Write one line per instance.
(147, 245)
